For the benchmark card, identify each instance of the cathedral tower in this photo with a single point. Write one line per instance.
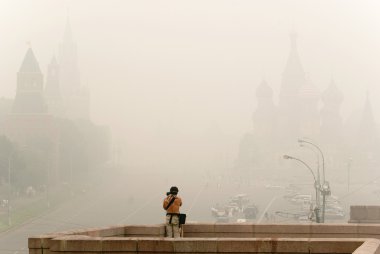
(293, 78)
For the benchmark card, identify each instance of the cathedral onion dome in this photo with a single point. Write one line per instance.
(332, 94)
(308, 91)
(264, 90)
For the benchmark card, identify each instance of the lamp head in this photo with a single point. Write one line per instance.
(287, 157)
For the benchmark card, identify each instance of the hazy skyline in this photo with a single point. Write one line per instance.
(164, 75)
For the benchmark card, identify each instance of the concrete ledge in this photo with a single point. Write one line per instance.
(76, 243)
(41, 241)
(368, 247)
(280, 230)
(104, 232)
(86, 244)
(139, 230)
(155, 245)
(214, 238)
(119, 244)
(196, 245)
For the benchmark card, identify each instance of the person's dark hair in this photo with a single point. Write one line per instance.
(174, 190)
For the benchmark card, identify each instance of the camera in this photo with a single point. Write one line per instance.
(168, 193)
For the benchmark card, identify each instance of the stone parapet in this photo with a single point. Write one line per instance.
(311, 230)
(214, 238)
(86, 244)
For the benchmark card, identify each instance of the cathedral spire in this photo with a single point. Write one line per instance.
(74, 96)
(67, 59)
(293, 41)
(67, 34)
(293, 76)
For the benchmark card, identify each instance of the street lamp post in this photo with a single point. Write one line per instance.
(325, 189)
(316, 185)
(318, 199)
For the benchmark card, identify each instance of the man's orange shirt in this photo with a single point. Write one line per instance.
(174, 208)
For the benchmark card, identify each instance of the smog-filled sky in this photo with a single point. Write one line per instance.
(176, 80)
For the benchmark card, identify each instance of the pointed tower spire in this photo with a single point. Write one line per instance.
(52, 89)
(67, 34)
(74, 95)
(293, 41)
(30, 64)
(293, 76)
(68, 61)
(29, 93)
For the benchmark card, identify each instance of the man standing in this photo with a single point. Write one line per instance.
(171, 204)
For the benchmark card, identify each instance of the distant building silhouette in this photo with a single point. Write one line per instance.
(52, 90)
(52, 122)
(64, 92)
(29, 123)
(366, 140)
(276, 129)
(29, 93)
(265, 116)
(331, 120)
(293, 78)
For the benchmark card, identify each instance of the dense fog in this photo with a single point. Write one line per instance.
(127, 98)
(170, 78)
